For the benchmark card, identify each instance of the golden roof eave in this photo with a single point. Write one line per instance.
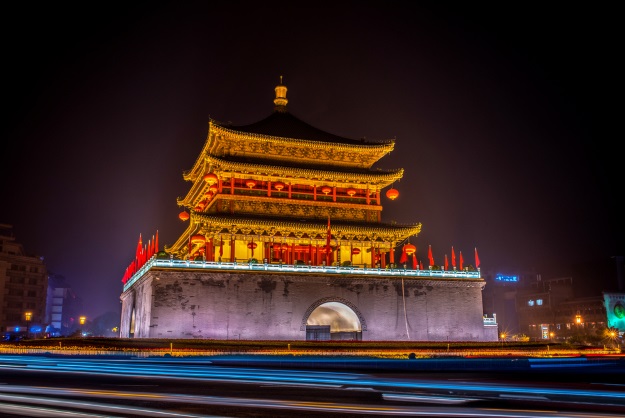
(221, 141)
(220, 166)
(381, 148)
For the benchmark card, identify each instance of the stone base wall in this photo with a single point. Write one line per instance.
(267, 306)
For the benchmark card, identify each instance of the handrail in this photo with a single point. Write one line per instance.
(294, 268)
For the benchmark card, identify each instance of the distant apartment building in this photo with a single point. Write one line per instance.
(63, 308)
(537, 303)
(585, 315)
(23, 286)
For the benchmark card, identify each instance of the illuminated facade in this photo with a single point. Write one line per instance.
(614, 304)
(285, 240)
(268, 191)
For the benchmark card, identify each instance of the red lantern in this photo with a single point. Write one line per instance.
(198, 239)
(410, 249)
(279, 186)
(210, 178)
(392, 193)
(252, 245)
(356, 251)
(250, 183)
(201, 205)
(201, 250)
(351, 191)
(184, 215)
(213, 188)
(326, 189)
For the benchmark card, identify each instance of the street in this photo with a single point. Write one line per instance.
(263, 386)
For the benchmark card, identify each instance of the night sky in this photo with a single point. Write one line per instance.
(503, 117)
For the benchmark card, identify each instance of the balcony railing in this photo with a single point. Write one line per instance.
(290, 268)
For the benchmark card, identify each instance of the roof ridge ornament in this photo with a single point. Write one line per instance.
(280, 101)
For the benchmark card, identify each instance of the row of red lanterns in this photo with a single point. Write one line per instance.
(211, 179)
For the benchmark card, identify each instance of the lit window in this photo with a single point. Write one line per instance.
(530, 302)
(539, 301)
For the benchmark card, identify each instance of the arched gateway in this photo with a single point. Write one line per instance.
(333, 319)
(284, 239)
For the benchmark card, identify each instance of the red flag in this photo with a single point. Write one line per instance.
(404, 257)
(446, 263)
(414, 262)
(430, 256)
(328, 247)
(139, 247)
(421, 264)
(453, 257)
(156, 242)
(477, 259)
(461, 260)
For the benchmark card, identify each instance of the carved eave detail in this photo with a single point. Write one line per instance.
(227, 142)
(287, 208)
(374, 178)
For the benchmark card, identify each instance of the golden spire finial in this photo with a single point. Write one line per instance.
(280, 101)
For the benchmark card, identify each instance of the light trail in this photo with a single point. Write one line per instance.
(287, 377)
(323, 407)
(389, 389)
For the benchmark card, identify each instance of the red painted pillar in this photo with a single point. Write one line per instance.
(232, 249)
(210, 250)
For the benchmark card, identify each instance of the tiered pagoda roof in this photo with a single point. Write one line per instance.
(283, 177)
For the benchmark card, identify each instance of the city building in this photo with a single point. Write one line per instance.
(63, 308)
(526, 305)
(23, 285)
(614, 300)
(499, 299)
(284, 239)
(577, 317)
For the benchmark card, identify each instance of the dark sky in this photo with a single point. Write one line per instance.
(503, 116)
